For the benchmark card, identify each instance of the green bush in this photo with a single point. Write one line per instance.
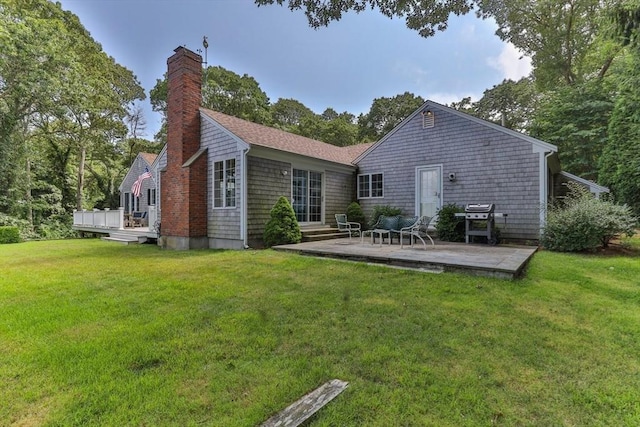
(583, 222)
(385, 210)
(449, 227)
(282, 227)
(355, 214)
(9, 234)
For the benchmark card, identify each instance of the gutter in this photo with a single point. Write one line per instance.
(245, 200)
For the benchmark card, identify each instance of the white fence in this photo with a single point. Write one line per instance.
(99, 219)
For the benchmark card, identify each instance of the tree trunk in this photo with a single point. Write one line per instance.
(28, 194)
(83, 155)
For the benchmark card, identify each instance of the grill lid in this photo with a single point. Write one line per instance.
(479, 208)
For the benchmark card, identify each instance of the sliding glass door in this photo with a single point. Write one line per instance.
(307, 196)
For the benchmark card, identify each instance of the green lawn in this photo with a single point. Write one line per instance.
(95, 333)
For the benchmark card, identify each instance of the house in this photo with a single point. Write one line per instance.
(439, 155)
(148, 190)
(219, 176)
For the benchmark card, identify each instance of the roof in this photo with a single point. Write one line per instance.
(276, 139)
(544, 146)
(592, 186)
(148, 157)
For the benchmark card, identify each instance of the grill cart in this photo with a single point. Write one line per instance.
(480, 221)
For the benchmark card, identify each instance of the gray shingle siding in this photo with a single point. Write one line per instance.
(223, 223)
(490, 167)
(266, 185)
(339, 193)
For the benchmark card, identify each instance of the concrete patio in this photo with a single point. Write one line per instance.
(502, 261)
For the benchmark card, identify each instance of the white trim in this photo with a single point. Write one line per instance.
(596, 189)
(369, 197)
(418, 169)
(244, 229)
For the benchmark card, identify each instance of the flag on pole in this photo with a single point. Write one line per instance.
(136, 188)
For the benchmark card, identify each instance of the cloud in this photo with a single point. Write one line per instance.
(411, 72)
(511, 63)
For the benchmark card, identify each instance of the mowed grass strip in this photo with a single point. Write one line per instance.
(95, 333)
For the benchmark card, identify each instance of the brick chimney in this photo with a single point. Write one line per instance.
(183, 190)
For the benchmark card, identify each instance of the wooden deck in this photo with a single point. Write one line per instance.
(502, 261)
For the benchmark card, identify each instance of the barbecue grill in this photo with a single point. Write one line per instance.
(480, 221)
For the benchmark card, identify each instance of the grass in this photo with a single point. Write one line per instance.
(93, 333)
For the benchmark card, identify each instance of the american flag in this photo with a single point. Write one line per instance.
(136, 188)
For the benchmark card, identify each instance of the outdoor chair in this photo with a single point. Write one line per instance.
(420, 229)
(346, 226)
(139, 219)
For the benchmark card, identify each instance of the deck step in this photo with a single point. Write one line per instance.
(321, 233)
(124, 238)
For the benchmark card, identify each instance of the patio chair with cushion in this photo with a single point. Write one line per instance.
(346, 226)
(139, 219)
(420, 229)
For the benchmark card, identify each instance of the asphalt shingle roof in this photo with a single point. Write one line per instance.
(265, 136)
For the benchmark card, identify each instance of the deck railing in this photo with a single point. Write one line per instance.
(99, 218)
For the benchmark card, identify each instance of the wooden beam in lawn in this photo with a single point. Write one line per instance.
(302, 409)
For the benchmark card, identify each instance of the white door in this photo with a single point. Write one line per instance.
(428, 190)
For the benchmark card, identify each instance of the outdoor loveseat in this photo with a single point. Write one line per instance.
(412, 227)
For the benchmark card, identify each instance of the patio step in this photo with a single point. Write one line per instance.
(321, 233)
(125, 239)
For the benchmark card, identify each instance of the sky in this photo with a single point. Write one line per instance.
(344, 66)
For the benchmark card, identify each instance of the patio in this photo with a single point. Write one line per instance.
(502, 261)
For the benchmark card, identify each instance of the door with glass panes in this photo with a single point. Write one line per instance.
(307, 196)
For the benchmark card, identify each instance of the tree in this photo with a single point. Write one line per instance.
(288, 113)
(620, 161)
(575, 118)
(223, 91)
(510, 104)
(61, 98)
(238, 96)
(385, 114)
(425, 16)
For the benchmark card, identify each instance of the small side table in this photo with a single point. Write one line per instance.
(381, 232)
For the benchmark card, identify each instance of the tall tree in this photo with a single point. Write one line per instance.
(575, 118)
(510, 104)
(385, 114)
(59, 89)
(239, 96)
(288, 113)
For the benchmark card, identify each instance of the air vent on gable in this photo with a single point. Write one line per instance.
(428, 119)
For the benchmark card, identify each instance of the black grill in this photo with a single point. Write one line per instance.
(480, 221)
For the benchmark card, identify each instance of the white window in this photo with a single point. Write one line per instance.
(224, 183)
(370, 186)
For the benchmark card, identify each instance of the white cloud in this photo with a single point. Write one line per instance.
(446, 98)
(511, 63)
(412, 72)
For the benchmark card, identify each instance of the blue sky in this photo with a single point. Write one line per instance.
(344, 66)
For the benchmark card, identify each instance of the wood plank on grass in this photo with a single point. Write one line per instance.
(302, 409)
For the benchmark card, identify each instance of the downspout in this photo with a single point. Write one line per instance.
(243, 206)
(544, 196)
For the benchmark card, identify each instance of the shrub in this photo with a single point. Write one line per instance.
(449, 227)
(24, 228)
(9, 234)
(385, 210)
(355, 214)
(282, 227)
(583, 222)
